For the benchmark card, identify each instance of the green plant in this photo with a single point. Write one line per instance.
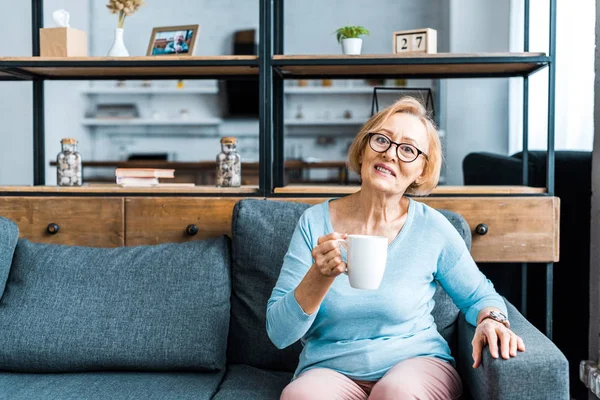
(350, 32)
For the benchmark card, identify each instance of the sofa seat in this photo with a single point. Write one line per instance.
(250, 383)
(110, 385)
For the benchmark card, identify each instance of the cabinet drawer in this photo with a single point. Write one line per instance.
(82, 221)
(166, 219)
(519, 229)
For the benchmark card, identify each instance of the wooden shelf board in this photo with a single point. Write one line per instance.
(150, 122)
(433, 65)
(113, 188)
(199, 165)
(320, 122)
(132, 67)
(335, 90)
(440, 190)
(150, 90)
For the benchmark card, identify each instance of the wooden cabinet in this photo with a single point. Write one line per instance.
(153, 220)
(508, 229)
(504, 229)
(85, 221)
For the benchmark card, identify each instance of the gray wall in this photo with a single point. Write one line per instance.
(476, 110)
(309, 24)
(16, 144)
(594, 338)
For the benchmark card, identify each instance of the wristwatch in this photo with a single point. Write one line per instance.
(497, 316)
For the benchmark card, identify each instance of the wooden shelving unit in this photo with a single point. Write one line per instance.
(271, 68)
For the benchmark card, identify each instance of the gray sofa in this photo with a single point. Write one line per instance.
(187, 321)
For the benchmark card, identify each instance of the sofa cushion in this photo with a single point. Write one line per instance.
(71, 308)
(9, 234)
(261, 232)
(249, 383)
(110, 385)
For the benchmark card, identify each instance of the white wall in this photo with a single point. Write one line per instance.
(476, 110)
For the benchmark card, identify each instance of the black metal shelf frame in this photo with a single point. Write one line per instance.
(271, 97)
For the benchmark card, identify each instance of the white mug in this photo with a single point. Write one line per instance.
(367, 257)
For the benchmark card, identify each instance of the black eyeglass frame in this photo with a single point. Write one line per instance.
(419, 152)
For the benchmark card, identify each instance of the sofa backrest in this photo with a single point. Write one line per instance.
(261, 232)
(9, 235)
(72, 308)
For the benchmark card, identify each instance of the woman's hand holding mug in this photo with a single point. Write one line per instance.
(328, 256)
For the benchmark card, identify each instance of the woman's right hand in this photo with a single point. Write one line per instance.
(328, 256)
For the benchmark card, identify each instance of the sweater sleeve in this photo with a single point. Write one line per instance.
(460, 277)
(286, 321)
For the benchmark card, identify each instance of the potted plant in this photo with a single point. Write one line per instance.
(349, 37)
(124, 8)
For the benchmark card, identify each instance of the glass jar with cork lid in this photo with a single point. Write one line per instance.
(68, 164)
(229, 164)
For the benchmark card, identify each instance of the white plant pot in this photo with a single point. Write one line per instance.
(118, 48)
(351, 46)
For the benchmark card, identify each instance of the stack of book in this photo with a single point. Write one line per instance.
(142, 177)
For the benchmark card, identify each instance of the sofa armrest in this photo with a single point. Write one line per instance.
(541, 372)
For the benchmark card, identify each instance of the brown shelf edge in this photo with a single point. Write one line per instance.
(440, 190)
(293, 57)
(114, 189)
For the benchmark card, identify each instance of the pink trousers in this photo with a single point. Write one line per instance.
(415, 378)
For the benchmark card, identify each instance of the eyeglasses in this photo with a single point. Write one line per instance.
(406, 152)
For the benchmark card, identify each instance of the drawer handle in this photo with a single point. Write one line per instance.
(191, 229)
(481, 229)
(52, 228)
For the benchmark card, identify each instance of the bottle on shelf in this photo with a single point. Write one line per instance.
(68, 164)
(229, 164)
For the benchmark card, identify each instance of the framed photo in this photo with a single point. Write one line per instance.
(173, 40)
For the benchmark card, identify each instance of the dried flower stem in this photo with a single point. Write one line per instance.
(121, 19)
(124, 8)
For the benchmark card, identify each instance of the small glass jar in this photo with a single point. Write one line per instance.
(229, 166)
(68, 164)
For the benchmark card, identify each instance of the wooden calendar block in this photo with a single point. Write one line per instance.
(416, 41)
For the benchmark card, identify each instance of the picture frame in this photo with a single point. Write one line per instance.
(177, 40)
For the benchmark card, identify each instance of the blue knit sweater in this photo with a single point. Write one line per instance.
(360, 333)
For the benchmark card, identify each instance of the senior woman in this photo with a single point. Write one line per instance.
(383, 344)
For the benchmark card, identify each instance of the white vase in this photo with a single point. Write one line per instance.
(118, 48)
(351, 46)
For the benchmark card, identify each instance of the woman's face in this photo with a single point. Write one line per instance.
(384, 171)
